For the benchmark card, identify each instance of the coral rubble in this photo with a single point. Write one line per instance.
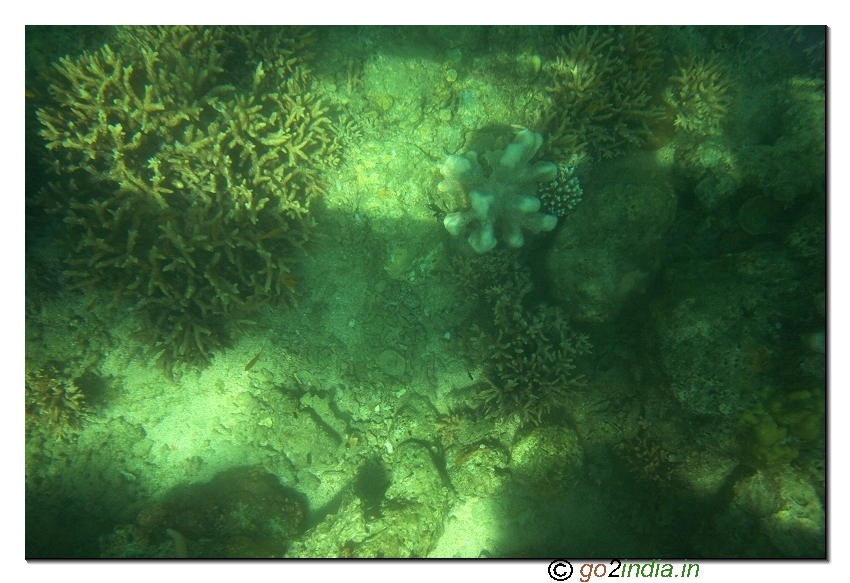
(186, 195)
(504, 197)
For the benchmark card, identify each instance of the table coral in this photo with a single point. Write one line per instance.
(502, 193)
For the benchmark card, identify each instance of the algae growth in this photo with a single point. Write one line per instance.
(252, 332)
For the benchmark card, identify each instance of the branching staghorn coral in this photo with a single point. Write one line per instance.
(54, 404)
(528, 352)
(115, 109)
(506, 196)
(701, 95)
(600, 99)
(530, 360)
(188, 198)
(646, 460)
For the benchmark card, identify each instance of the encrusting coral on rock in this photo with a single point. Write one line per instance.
(504, 197)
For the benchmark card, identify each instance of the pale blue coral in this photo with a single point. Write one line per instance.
(507, 196)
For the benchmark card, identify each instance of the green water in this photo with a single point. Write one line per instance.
(249, 332)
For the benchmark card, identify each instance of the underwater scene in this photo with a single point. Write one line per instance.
(476, 292)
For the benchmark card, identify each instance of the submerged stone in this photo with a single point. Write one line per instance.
(391, 362)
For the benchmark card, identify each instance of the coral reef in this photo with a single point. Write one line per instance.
(528, 351)
(187, 198)
(751, 394)
(530, 360)
(563, 194)
(600, 99)
(608, 249)
(802, 412)
(504, 197)
(54, 402)
(394, 413)
(646, 460)
(793, 165)
(713, 164)
(702, 94)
